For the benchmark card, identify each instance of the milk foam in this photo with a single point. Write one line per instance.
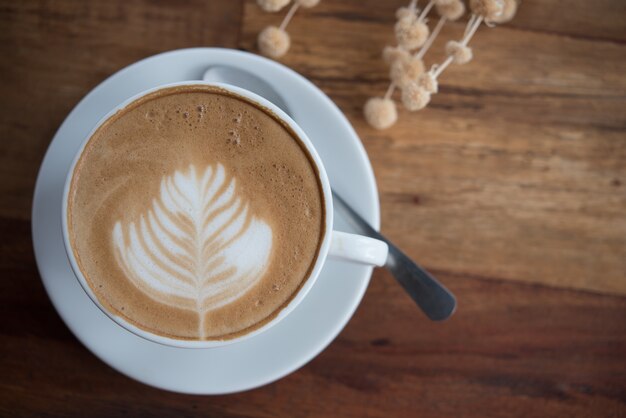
(199, 246)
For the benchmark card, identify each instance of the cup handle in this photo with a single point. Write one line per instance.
(358, 249)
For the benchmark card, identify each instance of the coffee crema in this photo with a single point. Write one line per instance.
(194, 213)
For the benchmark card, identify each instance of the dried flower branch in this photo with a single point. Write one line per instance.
(407, 67)
(274, 41)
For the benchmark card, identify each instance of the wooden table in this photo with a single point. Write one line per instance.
(510, 186)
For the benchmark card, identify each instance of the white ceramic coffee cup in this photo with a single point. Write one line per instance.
(345, 246)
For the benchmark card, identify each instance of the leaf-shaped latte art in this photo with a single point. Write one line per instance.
(198, 247)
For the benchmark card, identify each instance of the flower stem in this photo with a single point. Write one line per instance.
(471, 29)
(470, 22)
(440, 69)
(288, 16)
(429, 6)
(390, 90)
(420, 54)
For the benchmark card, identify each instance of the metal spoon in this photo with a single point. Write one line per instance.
(437, 302)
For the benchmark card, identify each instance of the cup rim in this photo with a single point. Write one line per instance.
(309, 281)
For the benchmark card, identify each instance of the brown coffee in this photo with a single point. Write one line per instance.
(196, 214)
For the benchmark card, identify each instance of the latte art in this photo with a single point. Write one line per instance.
(198, 247)
(195, 214)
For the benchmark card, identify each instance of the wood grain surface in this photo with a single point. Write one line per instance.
(515, 171)
(510, 186)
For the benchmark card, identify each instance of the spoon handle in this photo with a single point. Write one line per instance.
(437, 302)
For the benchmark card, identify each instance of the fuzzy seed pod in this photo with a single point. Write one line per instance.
(273, 42)
(410, 33)
(428, 82)
(406, 12)
(508, 12)
(414, 97)
(394, 53)
(490, 10)
(308, 3)
(451, 10)
(272, 5)
(405, 71)
(380, 113)
(460, 53)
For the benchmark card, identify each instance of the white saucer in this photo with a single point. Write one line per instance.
(261, 359)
